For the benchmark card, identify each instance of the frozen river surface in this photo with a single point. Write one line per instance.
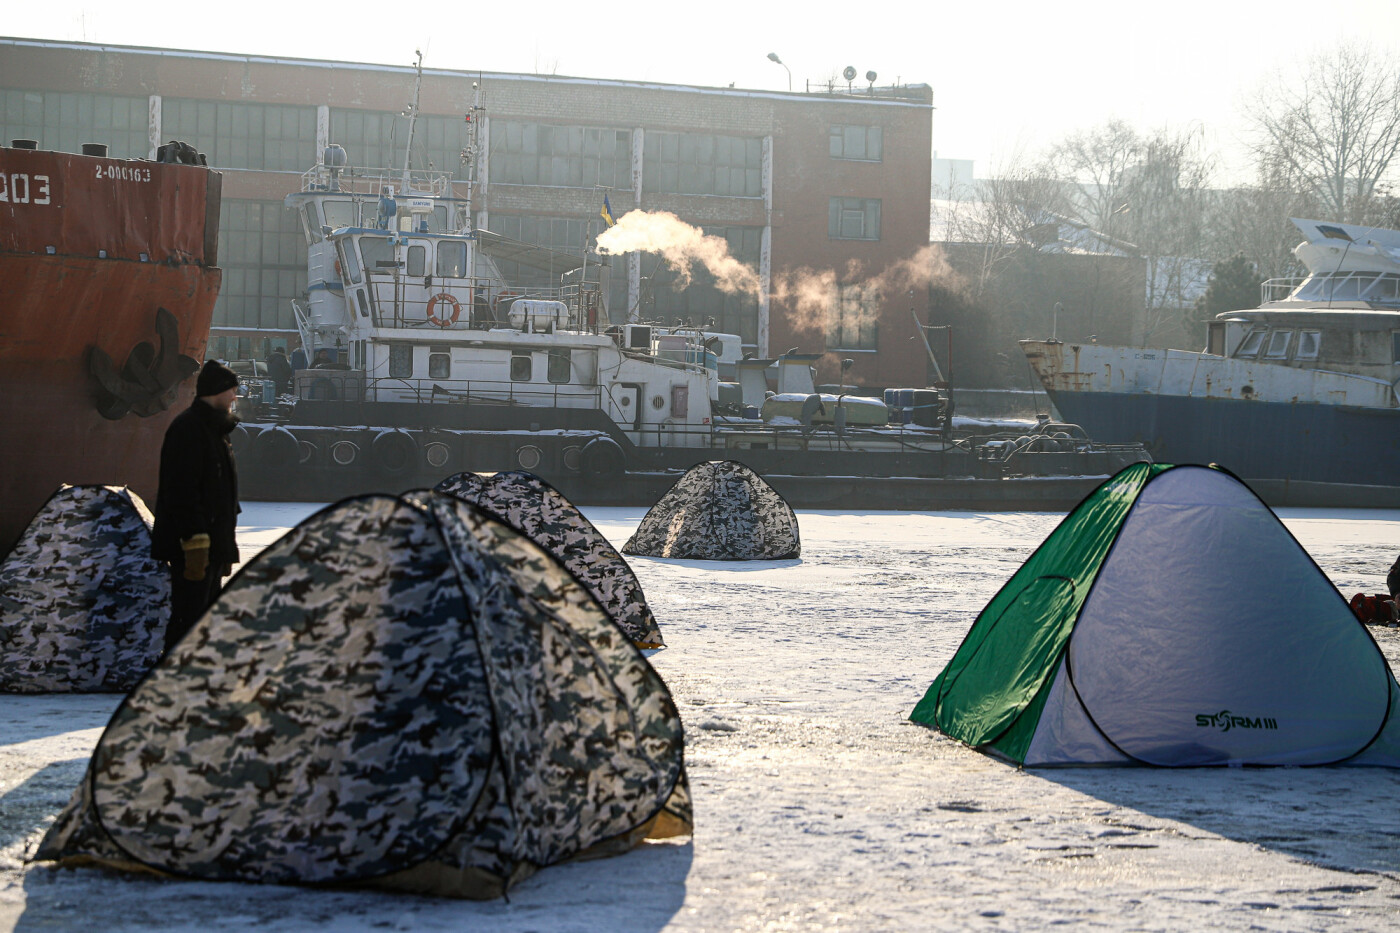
(817, 805)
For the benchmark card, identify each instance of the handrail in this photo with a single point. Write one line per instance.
(321, 179)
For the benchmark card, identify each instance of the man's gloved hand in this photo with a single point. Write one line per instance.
(196, 550)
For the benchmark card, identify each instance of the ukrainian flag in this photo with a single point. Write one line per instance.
(606, 212)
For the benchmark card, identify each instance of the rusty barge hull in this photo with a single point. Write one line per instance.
(91, 251)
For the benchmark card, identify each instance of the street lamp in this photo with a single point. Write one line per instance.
(773, 57)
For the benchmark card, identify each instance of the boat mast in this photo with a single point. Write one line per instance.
(412, 117)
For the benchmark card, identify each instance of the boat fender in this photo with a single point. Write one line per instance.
(447, 319)
(394, 452)
(276, 448)
(239, 439)
(602, 456)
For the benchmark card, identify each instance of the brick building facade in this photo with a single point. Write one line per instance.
(837, 180)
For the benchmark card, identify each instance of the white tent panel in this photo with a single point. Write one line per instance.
(1210, 637)
(1065, 735)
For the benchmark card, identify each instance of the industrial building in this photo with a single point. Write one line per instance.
(833, 182)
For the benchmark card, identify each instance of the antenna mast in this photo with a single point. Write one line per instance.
(412, 116)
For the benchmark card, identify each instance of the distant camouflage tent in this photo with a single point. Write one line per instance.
(531, 506)
(719, 510)
(401, 691)
(83, 605)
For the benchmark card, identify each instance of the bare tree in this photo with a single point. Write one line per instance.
(1096, 164)
(1333, 131)
(997, 214)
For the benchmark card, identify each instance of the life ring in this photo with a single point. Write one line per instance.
(447, 321)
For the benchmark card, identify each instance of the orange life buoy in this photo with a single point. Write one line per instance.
(449, 320)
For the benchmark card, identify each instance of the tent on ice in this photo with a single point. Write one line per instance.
(400, 691)
(542, 513)
(83, 605)
(1171, 620)
(720, 510)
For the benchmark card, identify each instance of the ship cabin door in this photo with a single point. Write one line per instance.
(625, 402)
(415, 257)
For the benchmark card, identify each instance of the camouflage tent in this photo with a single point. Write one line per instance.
(719, 510)
(401, 691)
(83, 605)
(533, 507)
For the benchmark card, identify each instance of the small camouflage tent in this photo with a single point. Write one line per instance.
(83, 605)
(720, 510)
(540, 512)
(1170, 620)
(400, 691)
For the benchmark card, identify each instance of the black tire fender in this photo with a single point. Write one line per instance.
(602, 456)
(276, 448)
(394, 452)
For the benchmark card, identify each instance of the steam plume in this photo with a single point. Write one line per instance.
(809, 296)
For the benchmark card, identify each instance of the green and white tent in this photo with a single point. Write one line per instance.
(1171, 619)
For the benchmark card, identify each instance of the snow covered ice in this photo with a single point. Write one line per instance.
(817, 805)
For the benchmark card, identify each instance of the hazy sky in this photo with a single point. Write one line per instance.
(1005, 75)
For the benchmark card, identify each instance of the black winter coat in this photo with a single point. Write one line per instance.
(198, 491)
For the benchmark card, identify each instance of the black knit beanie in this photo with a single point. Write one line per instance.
(214, 378)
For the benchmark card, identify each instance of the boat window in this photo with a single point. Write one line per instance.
(1364, 284)
(439, 220)
(313, 223)
(1350, 287)
(520, 366)
(1395, 346)
(439, 364)
(1386, 288)
(1215, 339)
(1249, 346)
(377, 253)
(558, 369)
(417, 260)
(400, 360)
(349, 264)
(452, 260)
(339, 214)
(1308, 343)
(1278, 344)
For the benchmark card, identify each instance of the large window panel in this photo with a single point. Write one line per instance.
(853, 324)
(263, 256)
(64, 121)
(560, 156)
(858, 143)
(234, 134)
(699, 163)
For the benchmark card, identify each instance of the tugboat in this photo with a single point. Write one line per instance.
(1297, 396)
(431, 362)
(108, 276)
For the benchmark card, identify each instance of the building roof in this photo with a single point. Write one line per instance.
(913, 95)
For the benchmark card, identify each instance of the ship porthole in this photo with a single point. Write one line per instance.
(437, 454)
(573, 458)
(308, 450)
(528, 457)
(344, 452)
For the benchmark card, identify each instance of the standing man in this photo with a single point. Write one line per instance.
(279, 370)
(197, 501)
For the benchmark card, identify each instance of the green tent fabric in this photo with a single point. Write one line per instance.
(1165, 621)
